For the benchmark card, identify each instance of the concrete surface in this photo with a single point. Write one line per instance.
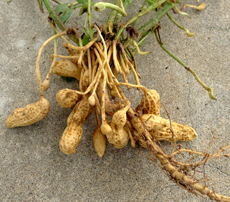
(32, 168)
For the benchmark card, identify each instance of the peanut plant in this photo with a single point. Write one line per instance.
(102, 57)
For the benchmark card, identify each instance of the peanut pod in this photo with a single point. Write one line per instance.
(99, 141)
(160, 129)
(73, 132)
(32, 113)
(66, 68)
(67, 98)
(71, 138)
(118, 137)
(150, 103)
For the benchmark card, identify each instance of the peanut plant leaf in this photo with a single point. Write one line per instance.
(82, 1)
(85, 40)
(64, 12)
(83, 9)
(150, 2)
(68, 79)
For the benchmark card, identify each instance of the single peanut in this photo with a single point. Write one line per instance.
(66, 68)
(160, 129)
(32, 113)
(99, 140)
(118, 138)
(150, 103)
(67, 98)
(71, 138)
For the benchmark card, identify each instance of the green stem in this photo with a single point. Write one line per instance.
(89, 20)
(189, 34)
(40, 5)
(57, 21)
(112, 16)
(134, 18)
(58, 2)
(210, 90)
(52, 15)
(101, 6)
(154, 21)
(118, 15)
(152, 24)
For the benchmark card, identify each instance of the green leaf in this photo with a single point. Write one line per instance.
(83, 9)
(82, 1)
(64, 12)
(150, 2)
(85, 40)
(68, 79)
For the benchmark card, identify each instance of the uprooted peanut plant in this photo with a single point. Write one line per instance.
(99, 57)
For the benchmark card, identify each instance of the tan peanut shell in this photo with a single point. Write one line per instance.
(150, 103)
(118, 138)
(66, 68)
(71, 138)
(160, 129)
(32, 113)
(119, 118)
(85, 80)
(99, 141)
(67, 98)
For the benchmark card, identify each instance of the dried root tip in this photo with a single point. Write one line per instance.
(66, 68)
(92, 100)
(46, 84)
(160, 129)
(32, 113)
(189, 34)
(99, 141)
(200, 7)
(67, 98)
(118, 138)
(71, 138)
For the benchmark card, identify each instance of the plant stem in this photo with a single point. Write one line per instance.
(40, 5)
(101, 6)
(89, 20)
(112, 16)
(134, 18)
(154, 21)
(57, 21)
(189, 34)
(210, 90)
(118, 15)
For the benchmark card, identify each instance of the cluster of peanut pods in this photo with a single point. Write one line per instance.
(98, 66)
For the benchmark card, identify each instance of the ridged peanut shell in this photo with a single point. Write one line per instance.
(119, 118)
(32, 113)
(71, 138)
(67, 98)
(118, 138)
(99, 141)
(66, 68)
(151, 102)
(160, 129)
(81, 111)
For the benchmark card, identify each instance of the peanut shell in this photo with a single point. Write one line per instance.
(32, 113)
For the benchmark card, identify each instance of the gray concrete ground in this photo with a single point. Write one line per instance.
(32, 167)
